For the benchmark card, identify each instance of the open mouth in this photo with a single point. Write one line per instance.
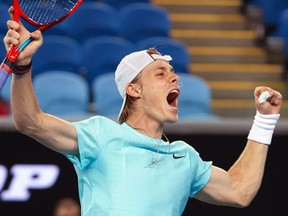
(172, 98)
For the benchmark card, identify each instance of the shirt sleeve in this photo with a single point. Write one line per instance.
(201, 172)
(89, 134)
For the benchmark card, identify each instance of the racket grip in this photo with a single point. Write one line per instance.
(4, 74)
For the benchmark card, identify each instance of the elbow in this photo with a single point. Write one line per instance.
(243, 202)
(241, 199)
(20, 127)
(26, 127)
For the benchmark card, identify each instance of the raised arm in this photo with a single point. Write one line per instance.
(52, 132)
(239, 185)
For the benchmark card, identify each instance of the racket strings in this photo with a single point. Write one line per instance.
(46, 11)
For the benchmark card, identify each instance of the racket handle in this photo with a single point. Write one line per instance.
(5, 71)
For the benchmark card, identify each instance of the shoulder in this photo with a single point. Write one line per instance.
(182, 145)
(95, 121)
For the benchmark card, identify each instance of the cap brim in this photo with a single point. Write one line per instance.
(122, 107)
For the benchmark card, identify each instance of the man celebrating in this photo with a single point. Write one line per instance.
(126, 168)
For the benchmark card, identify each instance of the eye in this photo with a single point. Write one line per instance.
(161, 71)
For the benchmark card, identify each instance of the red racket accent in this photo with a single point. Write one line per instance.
(5, 67)
(42, 14)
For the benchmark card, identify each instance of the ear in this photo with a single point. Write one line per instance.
(134, 90)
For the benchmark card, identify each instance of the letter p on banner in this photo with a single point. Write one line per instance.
(26, 177)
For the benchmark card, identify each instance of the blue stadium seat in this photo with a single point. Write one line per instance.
(5, 92)
(106, 98)
(271, 14)
(4, 6)
(195, 98)
(9, 2)
(93, 19)
(103, 54)
(58, 53)
(62, 93)
(168, 46)
(61, 29)
(3, 51)
(122, 3)
(143, 20)
(4, 17)
(283, 30)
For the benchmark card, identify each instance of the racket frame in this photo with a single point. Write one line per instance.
(14, 51)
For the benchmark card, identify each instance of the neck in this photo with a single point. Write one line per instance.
(148, 127)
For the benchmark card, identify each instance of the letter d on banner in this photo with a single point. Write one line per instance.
(26, 177)
(3, 176)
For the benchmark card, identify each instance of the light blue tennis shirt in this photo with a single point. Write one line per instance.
(122, 172)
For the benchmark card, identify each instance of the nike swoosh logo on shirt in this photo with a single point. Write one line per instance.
(178, 157)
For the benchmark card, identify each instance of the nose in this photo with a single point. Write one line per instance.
(174, 78)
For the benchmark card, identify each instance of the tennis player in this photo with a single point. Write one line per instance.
(130, 167)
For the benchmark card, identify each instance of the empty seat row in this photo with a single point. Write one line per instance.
(102, 54)
(65, 94)
(271, 13)
(133, 22)
(114, 3)
(99, 55)
(120, 4)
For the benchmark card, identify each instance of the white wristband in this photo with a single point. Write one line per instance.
(263, 128)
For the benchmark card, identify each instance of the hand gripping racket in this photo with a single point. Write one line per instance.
(40, 13)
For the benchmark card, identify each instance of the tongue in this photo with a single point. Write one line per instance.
(171, 97)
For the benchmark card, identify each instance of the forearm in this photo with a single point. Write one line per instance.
(49, 130)
(24, 105)
(239, 185)
(247, 172)
(53, 132)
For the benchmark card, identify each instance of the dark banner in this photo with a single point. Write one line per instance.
(33, 178)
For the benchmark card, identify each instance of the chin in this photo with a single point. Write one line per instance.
(172, 120)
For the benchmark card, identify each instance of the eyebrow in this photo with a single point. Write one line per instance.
(170, 68)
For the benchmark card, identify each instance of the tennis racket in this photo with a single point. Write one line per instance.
(42, 14)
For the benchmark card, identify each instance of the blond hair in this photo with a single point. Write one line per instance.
(129, 106)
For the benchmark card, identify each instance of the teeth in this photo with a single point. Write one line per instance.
(175, 91)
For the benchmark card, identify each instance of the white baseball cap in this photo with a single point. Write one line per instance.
(130, 66)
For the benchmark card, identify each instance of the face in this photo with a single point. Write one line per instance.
(159, 92)
(68, 211)
(67, 207)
